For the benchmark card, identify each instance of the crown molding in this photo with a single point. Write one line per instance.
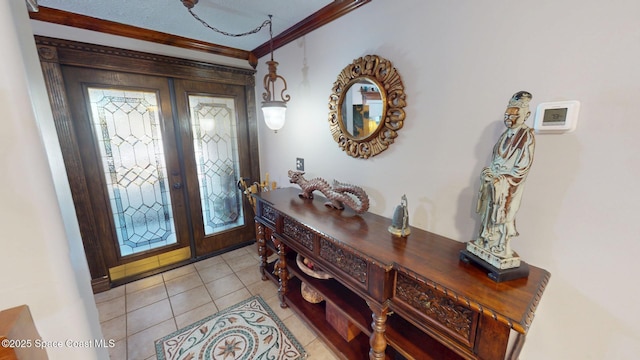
(66, 18)
(323, 16)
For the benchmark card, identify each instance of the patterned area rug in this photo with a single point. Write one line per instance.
(249, 330)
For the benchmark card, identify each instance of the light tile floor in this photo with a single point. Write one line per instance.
(138, 313)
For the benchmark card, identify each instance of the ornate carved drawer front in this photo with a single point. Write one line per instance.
(457, 320)
(268, 213)
(298, 233)
(349, 263)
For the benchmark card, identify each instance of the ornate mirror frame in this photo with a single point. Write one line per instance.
(381, 72)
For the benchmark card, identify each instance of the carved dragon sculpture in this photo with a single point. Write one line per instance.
(338, 194)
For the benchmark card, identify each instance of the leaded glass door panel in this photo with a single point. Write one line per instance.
(215, 141)
(214, 134)
(128, 146)
(126, 126)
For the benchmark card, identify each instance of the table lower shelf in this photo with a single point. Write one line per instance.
(404, 340)
(315, 316)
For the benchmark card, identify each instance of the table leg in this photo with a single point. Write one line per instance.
(262, 249)
(379, 324)
(281, 271)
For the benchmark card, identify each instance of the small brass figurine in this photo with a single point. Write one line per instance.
(254, 188)
(400, 222)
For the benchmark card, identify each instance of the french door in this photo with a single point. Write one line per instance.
(216, 157)
(161, 158)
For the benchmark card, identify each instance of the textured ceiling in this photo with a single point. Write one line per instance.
(172, 17)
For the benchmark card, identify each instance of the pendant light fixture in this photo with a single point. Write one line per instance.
(273, 109)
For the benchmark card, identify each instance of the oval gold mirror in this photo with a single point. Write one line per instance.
(366, 106)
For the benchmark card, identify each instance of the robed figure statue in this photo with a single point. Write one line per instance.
(502, 185)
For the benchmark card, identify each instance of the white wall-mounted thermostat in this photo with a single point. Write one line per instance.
(556, 117)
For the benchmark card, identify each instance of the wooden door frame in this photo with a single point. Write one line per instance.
(55, 53)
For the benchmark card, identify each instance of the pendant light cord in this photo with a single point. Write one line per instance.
(270, 36)
(265, 23)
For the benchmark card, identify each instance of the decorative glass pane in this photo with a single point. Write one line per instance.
(213, 122)
(128, 132)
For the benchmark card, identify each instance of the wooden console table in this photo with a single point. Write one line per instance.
(390, 297)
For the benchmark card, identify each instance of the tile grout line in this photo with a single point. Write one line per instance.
(126, 326)
(166, 290)
(206, 287)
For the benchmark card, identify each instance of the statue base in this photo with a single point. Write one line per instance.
(492, 259)
(399, 232)
(521, 270)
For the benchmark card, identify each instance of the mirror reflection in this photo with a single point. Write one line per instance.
(366, 106)
(362, 108)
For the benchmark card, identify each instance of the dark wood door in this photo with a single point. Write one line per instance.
(214, 136)
(161, 158)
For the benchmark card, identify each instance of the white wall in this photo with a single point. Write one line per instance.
(42, 261)
(461, 61)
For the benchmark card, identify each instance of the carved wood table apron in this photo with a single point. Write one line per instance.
(390, 297)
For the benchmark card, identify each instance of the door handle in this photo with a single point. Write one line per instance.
(177, 185)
